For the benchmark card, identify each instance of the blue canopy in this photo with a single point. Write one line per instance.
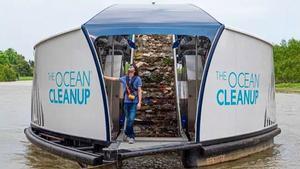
(183, 19)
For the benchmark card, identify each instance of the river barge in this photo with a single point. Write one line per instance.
(217, 85)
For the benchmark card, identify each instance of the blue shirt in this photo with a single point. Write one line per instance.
(136, 83)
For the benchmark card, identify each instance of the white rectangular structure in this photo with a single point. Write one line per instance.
(239, 87)
(69, 94)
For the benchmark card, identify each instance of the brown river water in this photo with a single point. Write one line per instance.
(17, 152)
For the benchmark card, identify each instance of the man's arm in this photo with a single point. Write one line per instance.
(140, 97)
(111, 78)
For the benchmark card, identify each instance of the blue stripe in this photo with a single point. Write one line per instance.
(103, 91)
(201, 92)
(208, 30)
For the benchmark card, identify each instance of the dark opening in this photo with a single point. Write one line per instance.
(171, 68)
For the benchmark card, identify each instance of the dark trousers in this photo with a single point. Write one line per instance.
(130, 113)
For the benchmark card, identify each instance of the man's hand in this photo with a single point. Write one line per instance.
(139, 105)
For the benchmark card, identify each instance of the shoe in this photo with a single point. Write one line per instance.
(131, 140)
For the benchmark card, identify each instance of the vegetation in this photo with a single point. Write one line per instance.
(25, 78)
(287, 61)
(13, 66)
(287, 66)
(288, 87)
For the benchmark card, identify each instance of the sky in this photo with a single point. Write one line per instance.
(23, 23)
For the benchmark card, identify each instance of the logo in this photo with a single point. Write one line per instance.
(242, 88)
(71, 87)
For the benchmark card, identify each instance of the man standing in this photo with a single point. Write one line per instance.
(132, 87)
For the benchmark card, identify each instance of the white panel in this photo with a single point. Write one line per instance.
(238, 56)
(68, 58)
(191, 62)
(117, 65)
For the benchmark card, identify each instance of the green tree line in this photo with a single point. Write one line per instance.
(13, 65)
(287, 61)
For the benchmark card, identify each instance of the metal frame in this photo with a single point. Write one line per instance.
(203, 82)
(181, 132)
(102, 83)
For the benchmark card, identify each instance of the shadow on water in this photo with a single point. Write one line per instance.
(37, 158)
(17, 152)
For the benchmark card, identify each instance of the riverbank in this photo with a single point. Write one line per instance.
(288, 87)
(22, 78)
(25, 78)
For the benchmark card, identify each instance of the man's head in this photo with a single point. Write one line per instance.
(131, 70)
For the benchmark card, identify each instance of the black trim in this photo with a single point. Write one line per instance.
(70, 137)
(64, 151)
(204, 77)
(239, 137)
(206, 149)
(103, 91)
(238, 144)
